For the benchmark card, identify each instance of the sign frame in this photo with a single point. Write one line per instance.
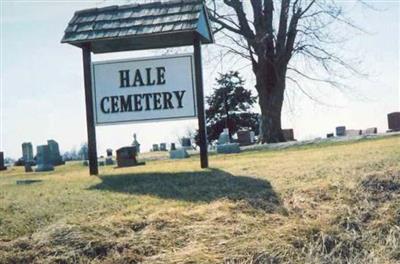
(109, 37)
(146, 58)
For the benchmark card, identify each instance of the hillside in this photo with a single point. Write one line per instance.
(328, 203)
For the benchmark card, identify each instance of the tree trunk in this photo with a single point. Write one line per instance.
(271, 95)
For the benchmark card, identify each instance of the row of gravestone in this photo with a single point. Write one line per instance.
(393, 124)
(244, 138)
(341, 131)
(174, 152)
(47, 156)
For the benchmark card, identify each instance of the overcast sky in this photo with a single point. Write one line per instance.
(42, 95)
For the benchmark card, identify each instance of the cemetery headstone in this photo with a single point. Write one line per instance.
(173, 147)
(155, 147)
(19, 162)
(55, 156)
(244, 138)
(224, 146)
(109, 152)
(109, 160)
(163, 146)
(252, 137)
(136, 143)
(330, 135)
(352, 132)
(127, 157)
(2, 167)
(394, 121)
(340, 131)
(370, 131)
(178, 154)
(186, 142)
(228, 148)
(27, 152)
(43, 158)
(224, 137)
(288, 134)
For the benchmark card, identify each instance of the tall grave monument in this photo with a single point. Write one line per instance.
(136, 143)
(394, 121)
(55, 156)
(27, 152)
(2, 167)
(167, 87)
(43, 158)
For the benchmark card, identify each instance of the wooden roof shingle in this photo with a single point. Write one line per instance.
(139, 26)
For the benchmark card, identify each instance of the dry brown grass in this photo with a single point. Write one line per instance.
(335, 203)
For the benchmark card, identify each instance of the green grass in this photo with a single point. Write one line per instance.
(326, 203)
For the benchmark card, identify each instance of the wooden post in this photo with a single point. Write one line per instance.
(91, 129)
(200, 102)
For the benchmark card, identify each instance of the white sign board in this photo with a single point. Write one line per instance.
(143, 89)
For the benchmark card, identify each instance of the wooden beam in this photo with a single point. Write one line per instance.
(91, 129)
(200, 102)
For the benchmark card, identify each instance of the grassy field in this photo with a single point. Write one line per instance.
(331, 203)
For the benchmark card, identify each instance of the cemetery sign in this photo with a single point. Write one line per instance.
(137, 90)
(144, 89)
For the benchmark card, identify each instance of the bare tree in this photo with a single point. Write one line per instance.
(270, 34)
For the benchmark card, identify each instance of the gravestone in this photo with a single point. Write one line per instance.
(252, 137)
(186, 142)
(109, 152)
(136, 143)
(178, 154)
(109, 160)
(340, 131)
(2, 167)
(163, 146)
(224, 137)
(84, 152)
(330, 135)
(155, 147)
(288, 134)
(394, 121)
(55, 157)
(173, 147)
(27, 152)
(352, 132)
(224, 146)
(370, 131)
(244, 137)
(126, 157)
(43, 158)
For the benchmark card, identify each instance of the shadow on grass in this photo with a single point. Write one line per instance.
(205, 186)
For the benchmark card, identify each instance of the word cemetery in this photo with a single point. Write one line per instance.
(142, 102)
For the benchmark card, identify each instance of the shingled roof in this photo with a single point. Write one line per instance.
(139, 26)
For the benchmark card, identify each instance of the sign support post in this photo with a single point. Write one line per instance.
(200, 102)
(91, 129)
